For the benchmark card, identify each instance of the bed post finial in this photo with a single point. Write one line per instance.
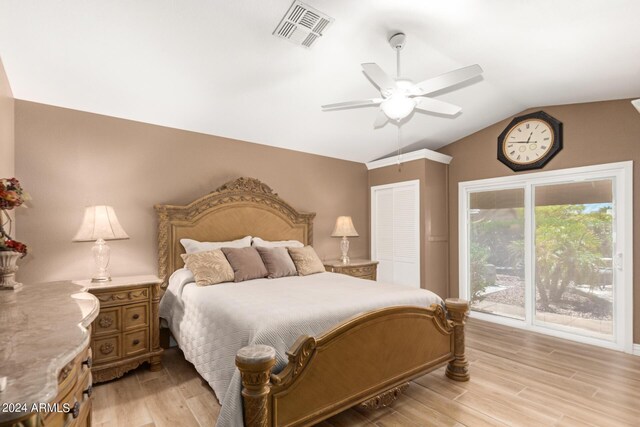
(458, 368)
(255, 363)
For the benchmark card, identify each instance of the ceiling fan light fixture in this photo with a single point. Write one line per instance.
(397, 106)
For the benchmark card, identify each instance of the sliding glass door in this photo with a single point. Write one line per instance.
(546, 251)
(496, 260)
(573, 254)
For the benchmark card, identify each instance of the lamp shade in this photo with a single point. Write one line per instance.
(636, 103)
(100, 222)
(344, 228)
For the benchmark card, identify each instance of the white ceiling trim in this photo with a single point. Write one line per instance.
(408, 157)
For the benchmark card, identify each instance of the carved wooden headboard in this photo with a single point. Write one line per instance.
(243, 207)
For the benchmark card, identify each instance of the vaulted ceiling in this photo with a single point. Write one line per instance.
(213, 66)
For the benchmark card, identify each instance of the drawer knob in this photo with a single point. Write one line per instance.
(136, 342)
(88, 391)
(136, 316)
(74, 410)
(88, 362)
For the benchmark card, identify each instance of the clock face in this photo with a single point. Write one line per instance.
(528, 142)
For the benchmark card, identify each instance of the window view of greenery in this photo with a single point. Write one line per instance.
(572, 250)
(497, 252)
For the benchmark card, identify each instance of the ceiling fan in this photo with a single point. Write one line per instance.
(400, 96)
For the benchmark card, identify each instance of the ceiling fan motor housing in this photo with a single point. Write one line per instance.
(397, 40)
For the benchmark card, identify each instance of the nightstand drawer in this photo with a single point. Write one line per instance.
(365, 272)
(135, 316)
(136, 342)
(108, 321)
(106, 349)
(362, 269)
(122, 297)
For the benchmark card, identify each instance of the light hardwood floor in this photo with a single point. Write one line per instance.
(517, 379)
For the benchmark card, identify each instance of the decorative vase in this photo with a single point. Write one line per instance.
(8, 268)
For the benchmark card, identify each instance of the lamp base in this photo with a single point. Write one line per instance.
(101, 255)
(344, 247)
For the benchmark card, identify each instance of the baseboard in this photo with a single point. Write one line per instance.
(636, 349)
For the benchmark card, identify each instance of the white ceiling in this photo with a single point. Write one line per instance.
(214, 67)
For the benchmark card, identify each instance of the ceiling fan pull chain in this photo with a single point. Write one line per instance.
(398, 158)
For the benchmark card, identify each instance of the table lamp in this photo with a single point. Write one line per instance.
(100, 223)
(344, 228)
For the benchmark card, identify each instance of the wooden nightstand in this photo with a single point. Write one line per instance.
(361, 268)
(126, 332)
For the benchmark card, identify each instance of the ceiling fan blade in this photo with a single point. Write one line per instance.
(382, 80)
(353, 104)
(436, 106)
(447, 79)
(381, 120)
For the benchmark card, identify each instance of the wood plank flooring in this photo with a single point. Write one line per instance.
(518, 378)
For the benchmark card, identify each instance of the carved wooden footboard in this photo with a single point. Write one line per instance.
(367, 359)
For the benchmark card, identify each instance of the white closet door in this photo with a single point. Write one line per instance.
(395, 232)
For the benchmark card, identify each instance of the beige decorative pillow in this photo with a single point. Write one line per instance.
(209, 268)
(306, 260)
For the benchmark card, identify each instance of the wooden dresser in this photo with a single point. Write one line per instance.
(45, 355)
(126, 332)
(361, 268)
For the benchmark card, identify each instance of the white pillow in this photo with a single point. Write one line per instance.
(193, 246)
(258, 242)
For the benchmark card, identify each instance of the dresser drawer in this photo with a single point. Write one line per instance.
(73, 380)
(82, 402)
(68, 376)
(111, 298)
(106, 349)
(136, 342)
(109, 321)
(135, 316)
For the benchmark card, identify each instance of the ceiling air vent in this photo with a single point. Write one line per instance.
(302, 24)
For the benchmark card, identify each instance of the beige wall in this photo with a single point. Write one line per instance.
(433, 216)
(69, 159)
(6, 127)
(594, 133)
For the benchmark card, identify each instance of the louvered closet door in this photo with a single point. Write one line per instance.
(395, 232)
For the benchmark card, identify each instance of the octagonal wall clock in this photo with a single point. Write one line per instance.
(530, 141)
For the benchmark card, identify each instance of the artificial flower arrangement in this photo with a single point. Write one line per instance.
(11, 196)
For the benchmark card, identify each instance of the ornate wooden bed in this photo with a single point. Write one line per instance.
(366, 360)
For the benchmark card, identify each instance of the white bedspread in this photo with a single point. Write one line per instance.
(212, 323)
